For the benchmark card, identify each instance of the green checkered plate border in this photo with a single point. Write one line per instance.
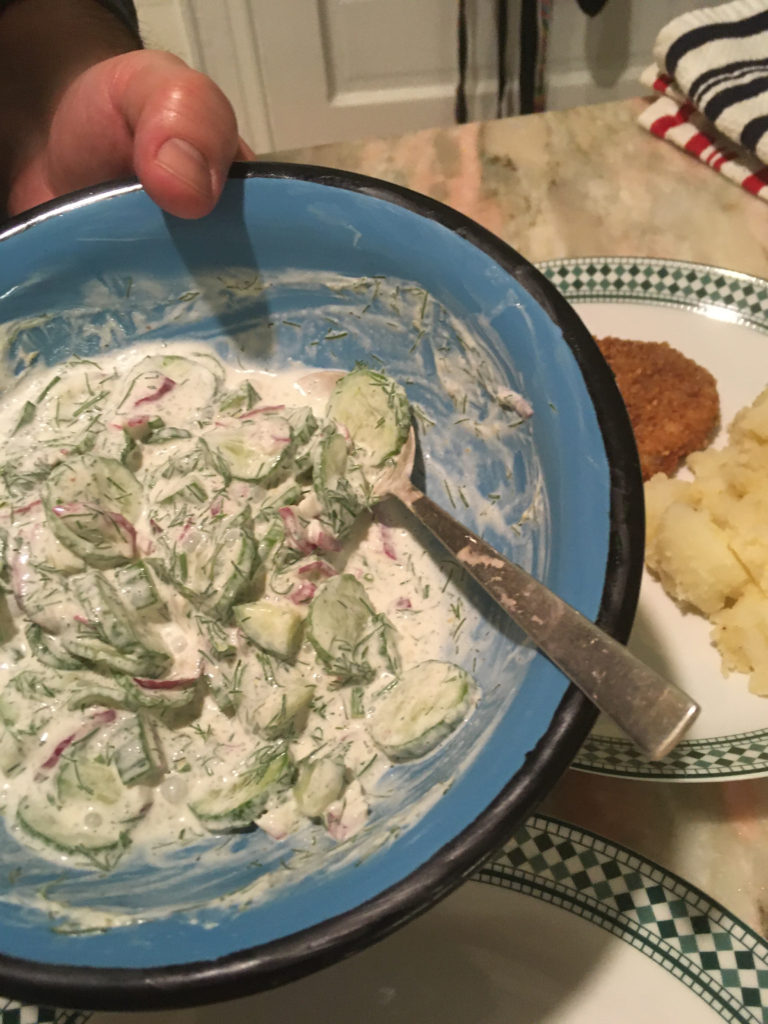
(659, 914)
(16, 1013)
(723, 295)
(719, 959)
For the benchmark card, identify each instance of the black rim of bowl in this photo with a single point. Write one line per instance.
(286, 959)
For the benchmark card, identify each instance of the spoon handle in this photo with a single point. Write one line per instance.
(653, 712)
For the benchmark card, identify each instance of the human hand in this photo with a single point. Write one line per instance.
(146, 113)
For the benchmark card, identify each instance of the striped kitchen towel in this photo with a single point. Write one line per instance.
(712, 73)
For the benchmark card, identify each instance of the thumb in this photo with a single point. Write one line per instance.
(148, 113)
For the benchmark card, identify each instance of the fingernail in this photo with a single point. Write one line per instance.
(187, 163)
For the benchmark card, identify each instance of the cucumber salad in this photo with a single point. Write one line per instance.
(206, 624)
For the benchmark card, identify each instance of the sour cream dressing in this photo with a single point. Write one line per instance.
(100, 409)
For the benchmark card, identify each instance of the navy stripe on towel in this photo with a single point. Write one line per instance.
(707, 33)
(753, 131)
(736, 94)
(712, 78)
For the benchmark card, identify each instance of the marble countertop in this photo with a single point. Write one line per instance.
(584, 182)
(581, 182)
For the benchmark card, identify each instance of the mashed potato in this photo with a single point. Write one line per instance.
(707, 541)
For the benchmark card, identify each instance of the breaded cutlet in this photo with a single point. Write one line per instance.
(672, 401)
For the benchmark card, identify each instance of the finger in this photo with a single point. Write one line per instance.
(145, 112)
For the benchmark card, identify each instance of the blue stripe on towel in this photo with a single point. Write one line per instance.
(735, 94)
(697, 37)
(715, 77)
(753, 131)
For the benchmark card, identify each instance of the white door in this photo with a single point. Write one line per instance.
(340, 69)
(301, 72)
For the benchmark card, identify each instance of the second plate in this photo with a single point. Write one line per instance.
(720, 319)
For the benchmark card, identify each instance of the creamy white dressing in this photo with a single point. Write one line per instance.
(401, 583)
(478, 462)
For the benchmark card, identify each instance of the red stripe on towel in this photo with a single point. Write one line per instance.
(662, 82)
(697, 144)
(755, 182)
(664, 124)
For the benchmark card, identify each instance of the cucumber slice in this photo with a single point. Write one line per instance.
(83, 810)
(374, 409)
(330, 462)
(12, 752)
(159, 382)
(82, 826)
(211, 567)
(80, 392)
(192, 492)
(136, 585)
(91, 504)
(92, 689)
(242, 399)
(25, 705)
(12, 707)
(88, 689)
(81, 779)
(350, 638)
(50, 554)
(426, 704)
(41, 567)
(39, 687)
(318, 784)
(44, 598)
(120, 444)
(278, 711)
(139, 756)
(188, 457)
(269, 509)
(165, 434)
(108, 636)
(339, 484)
(107, 617)
(152, 429)
(225, 684)
(237, 803)
(257, 450)
(19, 729)
(219, 641)
(274, 626)
(234, 570)
(272, 540)
(19, 487)
(48, 649)
(133, 659)
(302, 422)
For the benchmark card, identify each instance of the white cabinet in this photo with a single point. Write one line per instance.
(301, 72)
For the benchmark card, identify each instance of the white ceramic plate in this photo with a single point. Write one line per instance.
(720, 319)
(562, 927)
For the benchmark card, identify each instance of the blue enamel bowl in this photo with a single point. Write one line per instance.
(308, 265)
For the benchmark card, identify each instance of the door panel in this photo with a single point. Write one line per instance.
(302, 72)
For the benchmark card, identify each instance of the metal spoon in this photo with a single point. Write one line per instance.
(654, 713)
